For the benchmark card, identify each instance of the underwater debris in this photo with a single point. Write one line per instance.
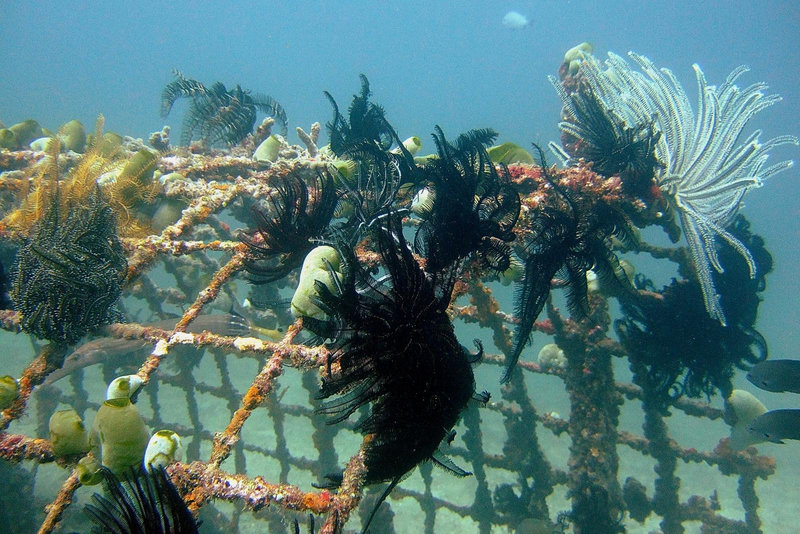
(705, 174)
(296, 213)
(475, 207)
(591, 507)
(203, 256)
(217, 114)
(69, 272)
(674, 338)
(570, 234)
(142, 502)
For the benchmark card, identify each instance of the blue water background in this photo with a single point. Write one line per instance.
(447, 63)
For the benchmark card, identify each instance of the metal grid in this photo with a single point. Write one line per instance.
(208, 392)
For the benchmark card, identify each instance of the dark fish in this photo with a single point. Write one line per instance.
(776, 375)
(776, 425)
(101, 349)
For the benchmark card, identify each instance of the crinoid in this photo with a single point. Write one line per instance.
(5, 299)
(475, 207)
(69, 272)
(216, 114)
(684, 351)
(367, 138)
(706, 171)
(144, 502)
(397, 352)
(295, 214)
(570, 234)
(597, 134)
(366, 123)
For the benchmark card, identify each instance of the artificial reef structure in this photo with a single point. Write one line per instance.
(339, 288)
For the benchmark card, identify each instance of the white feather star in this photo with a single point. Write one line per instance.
(706, 172)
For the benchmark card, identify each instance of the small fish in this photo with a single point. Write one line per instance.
(515, 20)
(126, 350)
(776, 425)
(776, 375)
(97, 351)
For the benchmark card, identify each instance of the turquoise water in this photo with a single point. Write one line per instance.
(428, 63)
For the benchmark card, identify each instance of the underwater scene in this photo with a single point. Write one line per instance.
(424, 267)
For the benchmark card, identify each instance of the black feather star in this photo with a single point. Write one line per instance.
(475, 207)
(216, 114)
(681, 349)
(295, 214)
(367, 123)
(68, 275)
(598, 135)
(144, 502)
(568, 235)
(396, 352)
(366, 138)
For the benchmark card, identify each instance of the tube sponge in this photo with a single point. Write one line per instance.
(72, 136)
(124, 387)
(26, 131)
(268, 149)
(9, 391)
(315, 268)
(67, 433)
(119, 436)
(422, 203)
(164, 447)
(88, 470)
(741, 407)
(552, 357)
